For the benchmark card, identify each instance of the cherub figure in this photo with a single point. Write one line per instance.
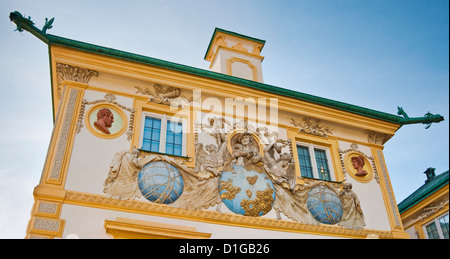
(213, 161)
(211, 157)
(282, 167)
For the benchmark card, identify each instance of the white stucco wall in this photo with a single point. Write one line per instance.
(91, 158)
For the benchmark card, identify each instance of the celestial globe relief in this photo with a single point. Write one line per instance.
(160, 182)
(324, 205)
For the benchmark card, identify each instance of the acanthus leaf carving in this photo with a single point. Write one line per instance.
(73, 73)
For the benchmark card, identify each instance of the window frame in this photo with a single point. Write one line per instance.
(437, 224)
(165, 118)
(313, 160)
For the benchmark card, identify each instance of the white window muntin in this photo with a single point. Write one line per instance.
(437, 224)
(313, 162)
(163, 132)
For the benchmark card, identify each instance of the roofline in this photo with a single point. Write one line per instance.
(56, 40)
(26, 24)
(402, 207)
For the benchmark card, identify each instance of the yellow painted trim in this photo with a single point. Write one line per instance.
(419, 225)
(214, 217)
(387, 191)
(411, 217)
(232, 60)
(40, 209)
(69, 135)
(221, 47)
(351, 171)
(222, 37)
(38, 224)
(97, 132)
(44, 221)
(147, 73)
(443, 191)
(122, 228)
(142, 105)
(330, 143)
(214, 87)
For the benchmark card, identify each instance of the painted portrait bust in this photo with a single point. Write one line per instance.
(358, 164)
(105, 119)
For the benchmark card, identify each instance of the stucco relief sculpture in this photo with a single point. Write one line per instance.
(353, 217)
(105, 119)
(233, 168)
(312, 127)
(121, 182)
(168, 95)
(245, 151)
(211, 158)
(282, 168)
(73, 73)
(359, 166)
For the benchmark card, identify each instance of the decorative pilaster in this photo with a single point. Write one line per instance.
(73, 73)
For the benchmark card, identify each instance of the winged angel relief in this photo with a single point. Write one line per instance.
(249, 170)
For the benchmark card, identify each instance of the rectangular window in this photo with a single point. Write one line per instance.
(174, 138)
(163, 135)
(438, 228)
(432, 231)
(444, 226)
(305, 161)
(314, 161)
(152, 133)
(322, 164)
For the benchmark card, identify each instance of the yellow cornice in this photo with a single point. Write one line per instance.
(214, 87)
(214, 217)
(219, 41)
(442, 192)
(122, 228)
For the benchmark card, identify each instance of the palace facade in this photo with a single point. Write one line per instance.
(146, 148)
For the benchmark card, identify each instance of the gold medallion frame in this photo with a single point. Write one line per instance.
(352, 171)
(255, 137)
(117, 111)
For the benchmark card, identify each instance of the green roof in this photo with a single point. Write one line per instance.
(26, 24)
(424, 191)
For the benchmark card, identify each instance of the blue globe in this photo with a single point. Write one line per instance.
(324, 205)
(246, 192)
(160, 182)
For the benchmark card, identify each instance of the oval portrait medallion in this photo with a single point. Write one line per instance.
(358, 167)
(106, 121)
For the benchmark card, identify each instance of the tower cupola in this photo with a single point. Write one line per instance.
(236, 55)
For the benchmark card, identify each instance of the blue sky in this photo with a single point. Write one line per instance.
(374, 53)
